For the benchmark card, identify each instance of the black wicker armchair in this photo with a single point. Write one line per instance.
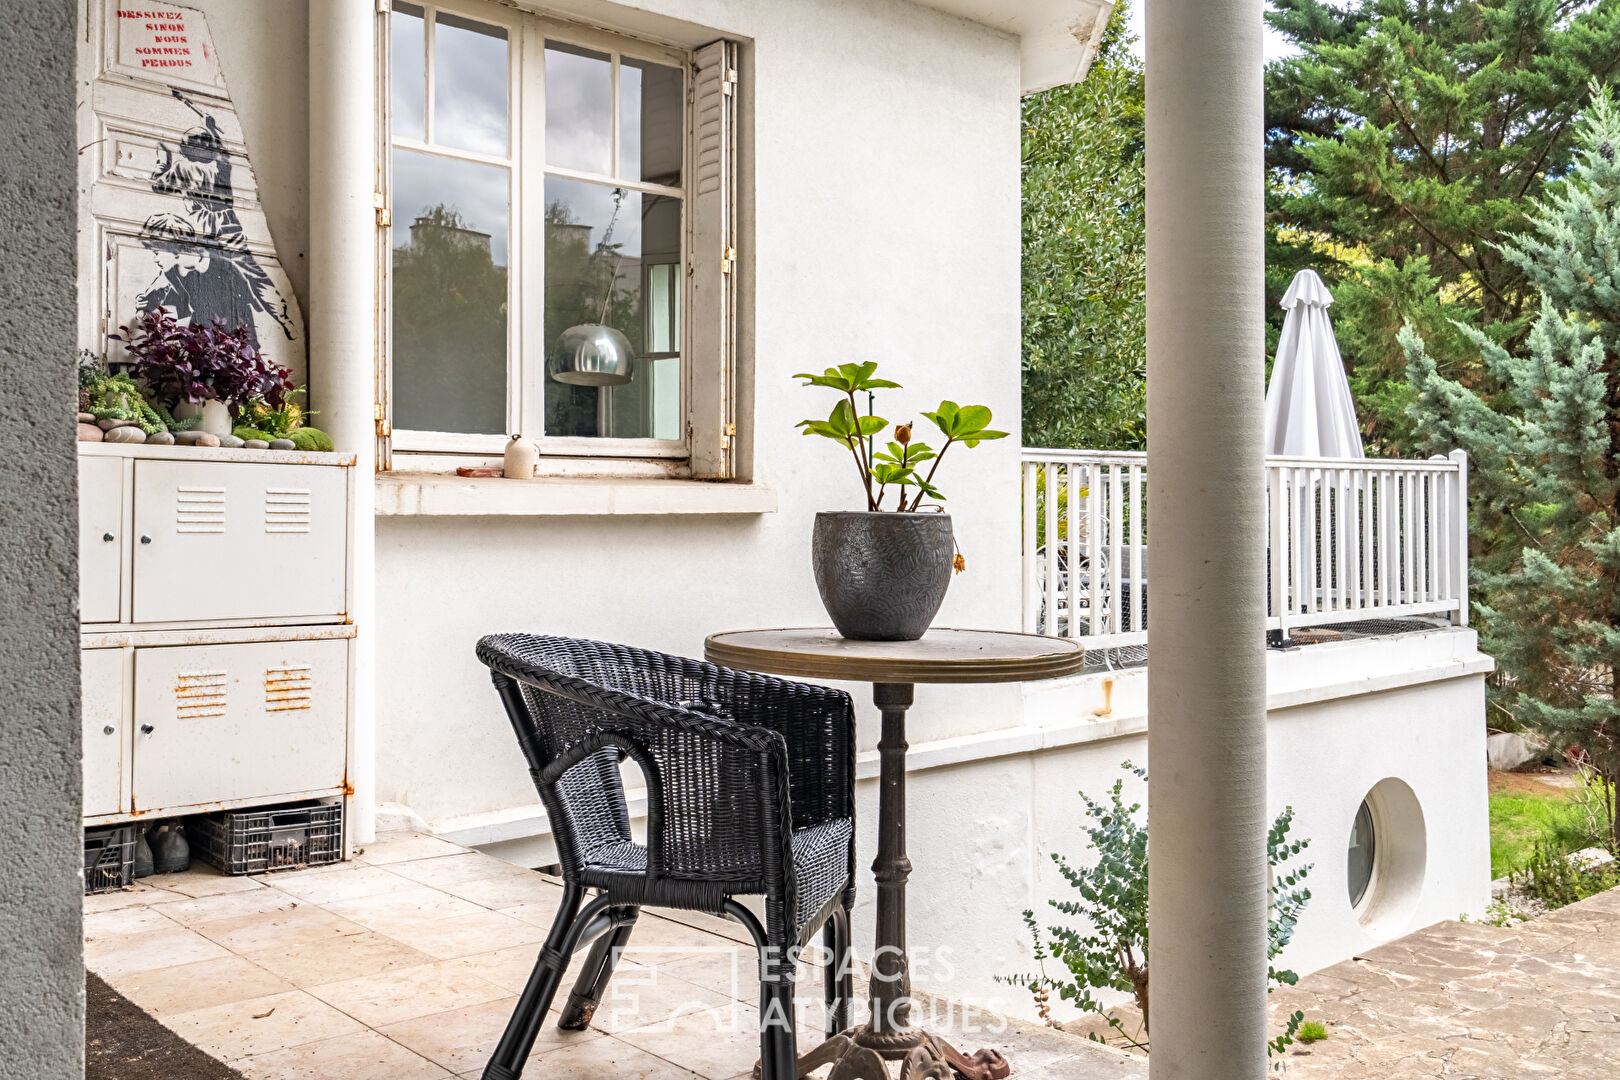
(750, 791)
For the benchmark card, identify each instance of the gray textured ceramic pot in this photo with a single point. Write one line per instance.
(882, 576)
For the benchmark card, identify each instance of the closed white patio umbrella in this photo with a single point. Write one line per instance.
(1309, 411)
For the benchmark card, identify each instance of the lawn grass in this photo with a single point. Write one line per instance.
(1525, 811)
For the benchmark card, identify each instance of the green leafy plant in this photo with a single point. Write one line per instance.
(1112, 954)
(899, 463)
(91, 368)
(278, 420)
(118, 397)
(1312, 1031)
(1085, 254)
(1558, 880)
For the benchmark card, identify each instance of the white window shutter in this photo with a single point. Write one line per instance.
(711, 293)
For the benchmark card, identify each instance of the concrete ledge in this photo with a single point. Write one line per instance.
(435, 494)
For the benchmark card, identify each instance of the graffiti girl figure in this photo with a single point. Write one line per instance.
(195, 281)
(203, 258)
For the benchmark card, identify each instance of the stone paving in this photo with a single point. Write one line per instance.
(1469, 1000)
(405, 964)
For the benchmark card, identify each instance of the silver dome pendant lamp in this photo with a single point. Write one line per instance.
(596, 354)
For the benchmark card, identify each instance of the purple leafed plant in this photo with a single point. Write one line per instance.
(201, 362)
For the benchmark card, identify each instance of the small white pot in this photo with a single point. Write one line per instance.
(216, 415)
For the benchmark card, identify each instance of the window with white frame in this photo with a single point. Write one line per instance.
(562, 257)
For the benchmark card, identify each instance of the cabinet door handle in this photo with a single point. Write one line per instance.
(108, 537)
(146, 539)
(108, 730)
(147, 729)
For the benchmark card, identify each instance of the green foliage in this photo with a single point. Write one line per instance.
(1085, 256)
(119, 397)
(279, 421)
(1405, 140)
(244, 432)
(91, 368)
(311, 439)
(1111, 953)
(1520, 820)
(897, 465)
(1547, 463)
(1557, 880)
(1312, 1031)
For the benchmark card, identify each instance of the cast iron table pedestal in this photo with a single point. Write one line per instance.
(894, 668)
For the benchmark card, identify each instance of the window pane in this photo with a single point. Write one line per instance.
(469, 85)
(1363, 851)
(613, 256)
(407, 73)
(450, 294)
(579, 108)
(650, 122)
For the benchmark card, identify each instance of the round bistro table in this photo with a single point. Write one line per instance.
(894, 668)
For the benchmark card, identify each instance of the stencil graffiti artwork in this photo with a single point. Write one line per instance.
(173, 217)
(204, 268)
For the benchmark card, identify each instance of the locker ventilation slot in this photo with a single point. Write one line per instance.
(287, 688)
(199, 693)
(286, 510)
(199, 510)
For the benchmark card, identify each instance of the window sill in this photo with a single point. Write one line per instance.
(404, 494)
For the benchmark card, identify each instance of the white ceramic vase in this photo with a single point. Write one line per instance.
(216, 416)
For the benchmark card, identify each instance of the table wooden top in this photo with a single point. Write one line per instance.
(942, 655)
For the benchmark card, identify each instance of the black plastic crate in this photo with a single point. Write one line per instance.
(109, 858)
(264, 839)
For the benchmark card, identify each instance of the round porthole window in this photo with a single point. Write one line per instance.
(1363, 854)
(1386, 859)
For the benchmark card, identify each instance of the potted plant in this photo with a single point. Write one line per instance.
(883, 571)
(201, 369)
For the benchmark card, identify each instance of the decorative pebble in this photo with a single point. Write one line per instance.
(230, 442)
(205, 439)
(108, 425)
(90, 433)
(188, 438)
(127, 434)
(256, 444)
(162, 438)
(283, 444)
(87, 418)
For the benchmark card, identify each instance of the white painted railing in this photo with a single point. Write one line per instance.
(1347, 540)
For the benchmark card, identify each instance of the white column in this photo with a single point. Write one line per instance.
(1206, 658)
(342, 321)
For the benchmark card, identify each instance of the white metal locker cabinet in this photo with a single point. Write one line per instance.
(106, 730)
(101, 537)
(216, 723)
(222, 540)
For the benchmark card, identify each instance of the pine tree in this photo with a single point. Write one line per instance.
(1085, 256)
(1547, 462)
(1405, 141)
